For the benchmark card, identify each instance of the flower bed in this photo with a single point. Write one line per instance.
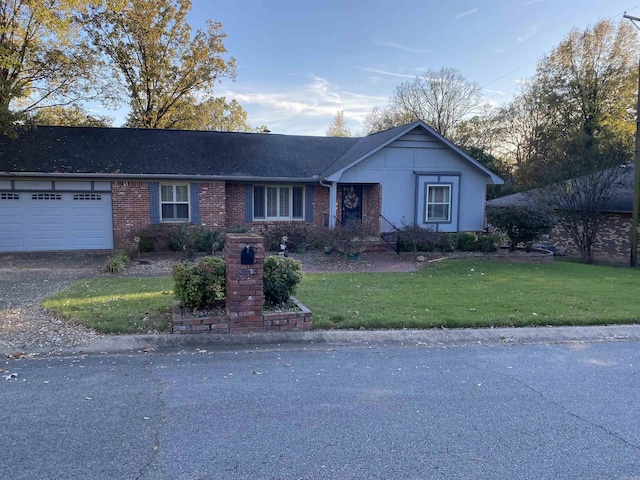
(217, 321)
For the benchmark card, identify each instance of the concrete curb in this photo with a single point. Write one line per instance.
(123, 344)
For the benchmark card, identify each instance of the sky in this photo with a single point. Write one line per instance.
(300, 62)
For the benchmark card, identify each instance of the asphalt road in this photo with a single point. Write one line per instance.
(514, 412)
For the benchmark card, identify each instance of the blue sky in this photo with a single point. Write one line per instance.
(300, 62)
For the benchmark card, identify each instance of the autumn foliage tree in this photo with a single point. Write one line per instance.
(43, 61)
(151, 50)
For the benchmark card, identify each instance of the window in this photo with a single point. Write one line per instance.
(438, 203)
(9, 196)
(87, 196)
(46, 196)
(278, 203)
(174, 203)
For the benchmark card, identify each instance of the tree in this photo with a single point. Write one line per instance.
(579, 202)
(588, 90)
(149, 47)
(441, 98)
(42, 60)
(214, 114)
(338, 126)
(71, 116)
(381, 119)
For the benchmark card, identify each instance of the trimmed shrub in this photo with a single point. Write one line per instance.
(200, 285)
(468, 242)
(449, 242)
(177, 238)
(521, 223)
(297, 237)
(488, 242)
(281, 278)
(416, 239)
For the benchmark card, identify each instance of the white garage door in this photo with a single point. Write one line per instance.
(41, 221)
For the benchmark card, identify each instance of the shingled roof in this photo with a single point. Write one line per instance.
(620, 202)
(170, 152)
(225, 155)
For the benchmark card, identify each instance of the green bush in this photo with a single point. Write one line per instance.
(209, 241)
(200, 285)
(489, 242)
(412, 238)
(177, 238)
(449, 242)
(468, 242)
(118, 263)
(281, 278)
(521, 223)
(297, 237)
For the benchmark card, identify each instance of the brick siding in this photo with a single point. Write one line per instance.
(613, 242)
(131, 210)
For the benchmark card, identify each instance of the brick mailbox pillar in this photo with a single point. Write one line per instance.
(244, 254)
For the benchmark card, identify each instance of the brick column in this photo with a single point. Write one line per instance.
(244, 283)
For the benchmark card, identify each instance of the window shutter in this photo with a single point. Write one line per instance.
(195, 203)
(154, 202)
(248, 200)
(308, 204)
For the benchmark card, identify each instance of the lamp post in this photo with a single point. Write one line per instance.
(636, 186)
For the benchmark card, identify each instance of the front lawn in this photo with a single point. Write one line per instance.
(117, 305)
(452, 293)
(474, 293)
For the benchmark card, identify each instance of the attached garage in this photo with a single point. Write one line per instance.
(49, 215)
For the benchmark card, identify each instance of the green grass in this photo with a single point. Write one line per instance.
(453, 293)
(117, 305)
(474, 293)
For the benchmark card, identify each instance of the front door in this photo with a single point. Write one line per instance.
(351, 203)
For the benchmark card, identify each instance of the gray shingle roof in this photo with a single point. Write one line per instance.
(130, 151)
(622, 201)
(142, 151)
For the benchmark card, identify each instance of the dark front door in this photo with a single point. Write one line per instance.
(351, 203)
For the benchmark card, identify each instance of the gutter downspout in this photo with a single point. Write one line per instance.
(333, 193)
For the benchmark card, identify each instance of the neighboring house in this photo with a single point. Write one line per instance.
(614, 239)
(69, 188)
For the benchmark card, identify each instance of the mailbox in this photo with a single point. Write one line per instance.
(247, 256)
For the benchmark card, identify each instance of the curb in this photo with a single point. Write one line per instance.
(123, 344)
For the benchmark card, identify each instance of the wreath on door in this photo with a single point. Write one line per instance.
(350, 199)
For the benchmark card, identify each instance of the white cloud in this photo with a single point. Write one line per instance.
(305, 109)
(527, 34)
(384, 72)
(468, 12)
(401, 47)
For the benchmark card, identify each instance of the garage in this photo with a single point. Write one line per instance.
(49, 215)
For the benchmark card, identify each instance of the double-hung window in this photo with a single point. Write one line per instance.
(278, 203)
(438, 207)
(174, 202)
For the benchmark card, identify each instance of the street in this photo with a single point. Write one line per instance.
(305, 412)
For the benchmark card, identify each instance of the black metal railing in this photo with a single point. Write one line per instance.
(390, 234)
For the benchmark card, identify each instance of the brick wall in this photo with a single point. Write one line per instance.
(372, 204)
(131, 210)
(613, 242)
(213, 205)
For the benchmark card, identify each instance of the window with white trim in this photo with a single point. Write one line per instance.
(438, 204)
(174, 203)
(278, 202)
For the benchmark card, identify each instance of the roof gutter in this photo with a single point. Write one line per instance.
(158, 176)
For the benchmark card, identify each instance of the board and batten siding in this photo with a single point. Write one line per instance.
(396, 168)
